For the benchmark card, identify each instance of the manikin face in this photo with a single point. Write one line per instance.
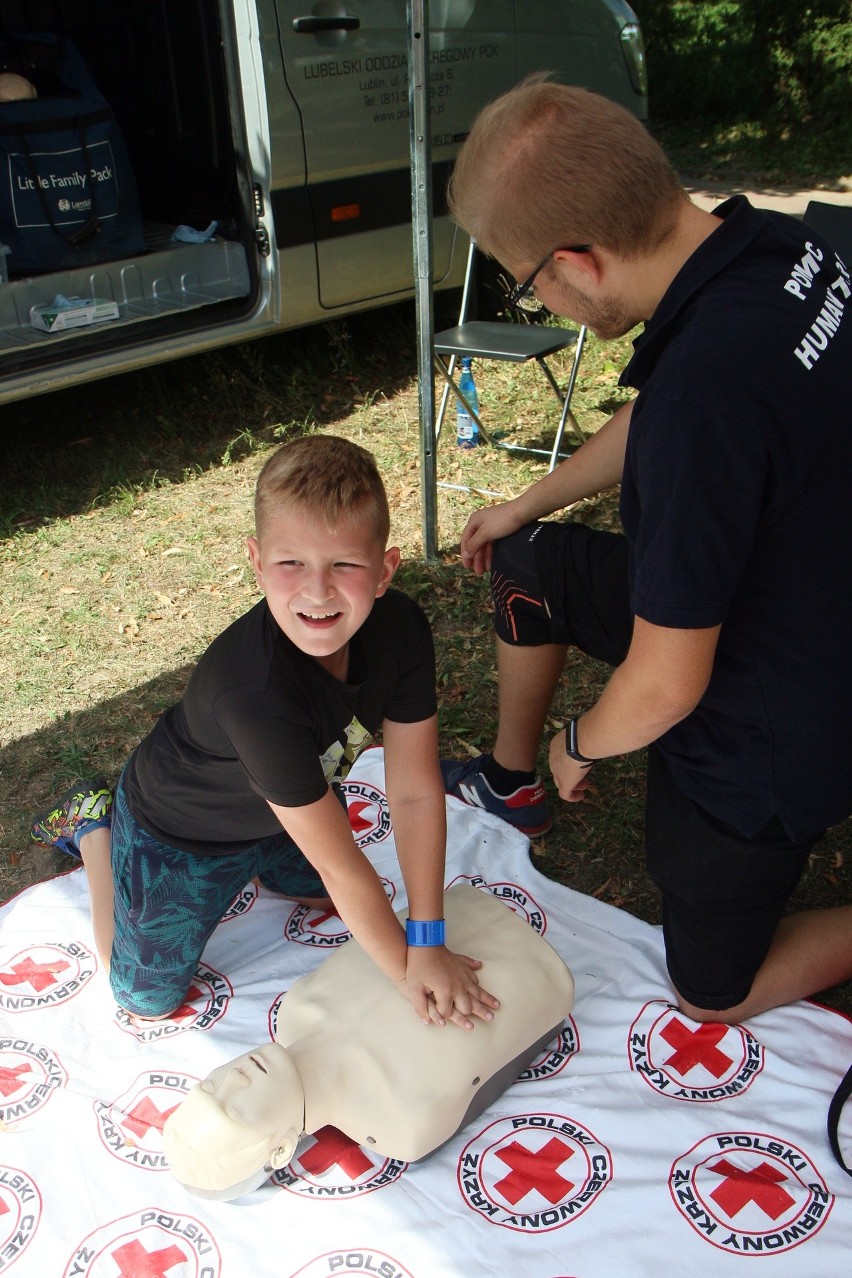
(320, 583)
(256, 1090)
(244, 1119)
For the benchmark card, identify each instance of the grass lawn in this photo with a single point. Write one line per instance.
(124, 513)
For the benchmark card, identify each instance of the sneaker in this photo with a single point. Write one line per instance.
(526, 808)
(87, 805)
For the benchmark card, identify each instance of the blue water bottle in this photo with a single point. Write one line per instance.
(467, 431)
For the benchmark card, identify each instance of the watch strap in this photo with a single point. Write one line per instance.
(571, 747)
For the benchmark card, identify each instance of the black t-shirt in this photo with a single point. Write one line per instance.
(261, 720)
(736, 502)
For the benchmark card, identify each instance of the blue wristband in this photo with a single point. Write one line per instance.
(425, 932)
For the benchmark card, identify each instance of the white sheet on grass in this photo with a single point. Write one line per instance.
(639, 1144)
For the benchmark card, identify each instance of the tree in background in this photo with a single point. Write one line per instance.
(783, 61)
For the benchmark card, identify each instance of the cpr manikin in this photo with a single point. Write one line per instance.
(349, 1054)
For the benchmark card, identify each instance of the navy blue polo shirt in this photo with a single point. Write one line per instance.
(737, 503)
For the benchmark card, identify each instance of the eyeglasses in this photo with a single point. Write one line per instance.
(521, 296)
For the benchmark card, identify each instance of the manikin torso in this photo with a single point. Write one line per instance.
(372, 1069)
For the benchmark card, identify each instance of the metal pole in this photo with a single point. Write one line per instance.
(421, 217)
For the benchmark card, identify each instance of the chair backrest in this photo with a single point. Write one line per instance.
(834, 224)
(468, 289)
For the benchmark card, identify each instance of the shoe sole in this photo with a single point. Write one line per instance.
(532, 832)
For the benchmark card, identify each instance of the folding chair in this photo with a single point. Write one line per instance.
(834, 224)
(518, 343)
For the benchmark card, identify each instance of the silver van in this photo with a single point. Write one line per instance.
(277, 132)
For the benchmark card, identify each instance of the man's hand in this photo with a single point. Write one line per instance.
(484, 528)
(572, 778)
(443, 986)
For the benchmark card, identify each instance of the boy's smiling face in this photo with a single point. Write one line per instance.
(320, 582)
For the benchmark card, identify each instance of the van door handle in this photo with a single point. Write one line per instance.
(345, 22)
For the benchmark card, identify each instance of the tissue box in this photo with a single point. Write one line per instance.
(83, 310)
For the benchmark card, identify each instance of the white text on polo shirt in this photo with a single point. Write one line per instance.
(828, 320)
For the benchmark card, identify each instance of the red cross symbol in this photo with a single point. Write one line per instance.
(38, 975)
(323, 918)
(355, 819)
(11, 1080)
(4, 1206)
(696, 1047)
(534, 1170)
(761, 1186)
(186, 1009)
(333, 1147)
(135, 1262)
(144, 1115)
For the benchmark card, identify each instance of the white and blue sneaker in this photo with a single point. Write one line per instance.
(526, 808)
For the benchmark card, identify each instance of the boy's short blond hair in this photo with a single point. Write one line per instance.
(549, 165)
(331, 478)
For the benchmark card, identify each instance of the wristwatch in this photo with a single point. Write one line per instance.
(571, 744)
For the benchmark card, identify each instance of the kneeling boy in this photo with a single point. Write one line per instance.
(241, 779)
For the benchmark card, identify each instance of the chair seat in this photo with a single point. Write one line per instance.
(481, 339)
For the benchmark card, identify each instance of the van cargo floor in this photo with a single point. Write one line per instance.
(170, 277)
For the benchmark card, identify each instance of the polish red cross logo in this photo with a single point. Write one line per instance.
(149, 1243)
(44, 975)
(750, 1193)
(689, 1062)
(533, 1172)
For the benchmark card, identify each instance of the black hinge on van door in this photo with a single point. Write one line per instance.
(261, 235)
(341, 22)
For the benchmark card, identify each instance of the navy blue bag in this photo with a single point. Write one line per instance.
(67, 192)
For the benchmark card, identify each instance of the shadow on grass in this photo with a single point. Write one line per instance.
(37, 767)
(69, 450)
(758, 153)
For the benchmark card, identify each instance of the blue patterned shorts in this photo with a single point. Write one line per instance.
(168, 902)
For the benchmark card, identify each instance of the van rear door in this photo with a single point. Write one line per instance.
(346, 67)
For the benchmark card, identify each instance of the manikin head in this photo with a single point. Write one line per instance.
(14, 88)
(242, 1123)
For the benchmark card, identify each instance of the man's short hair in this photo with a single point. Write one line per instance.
(549, 165)
(331, 478)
